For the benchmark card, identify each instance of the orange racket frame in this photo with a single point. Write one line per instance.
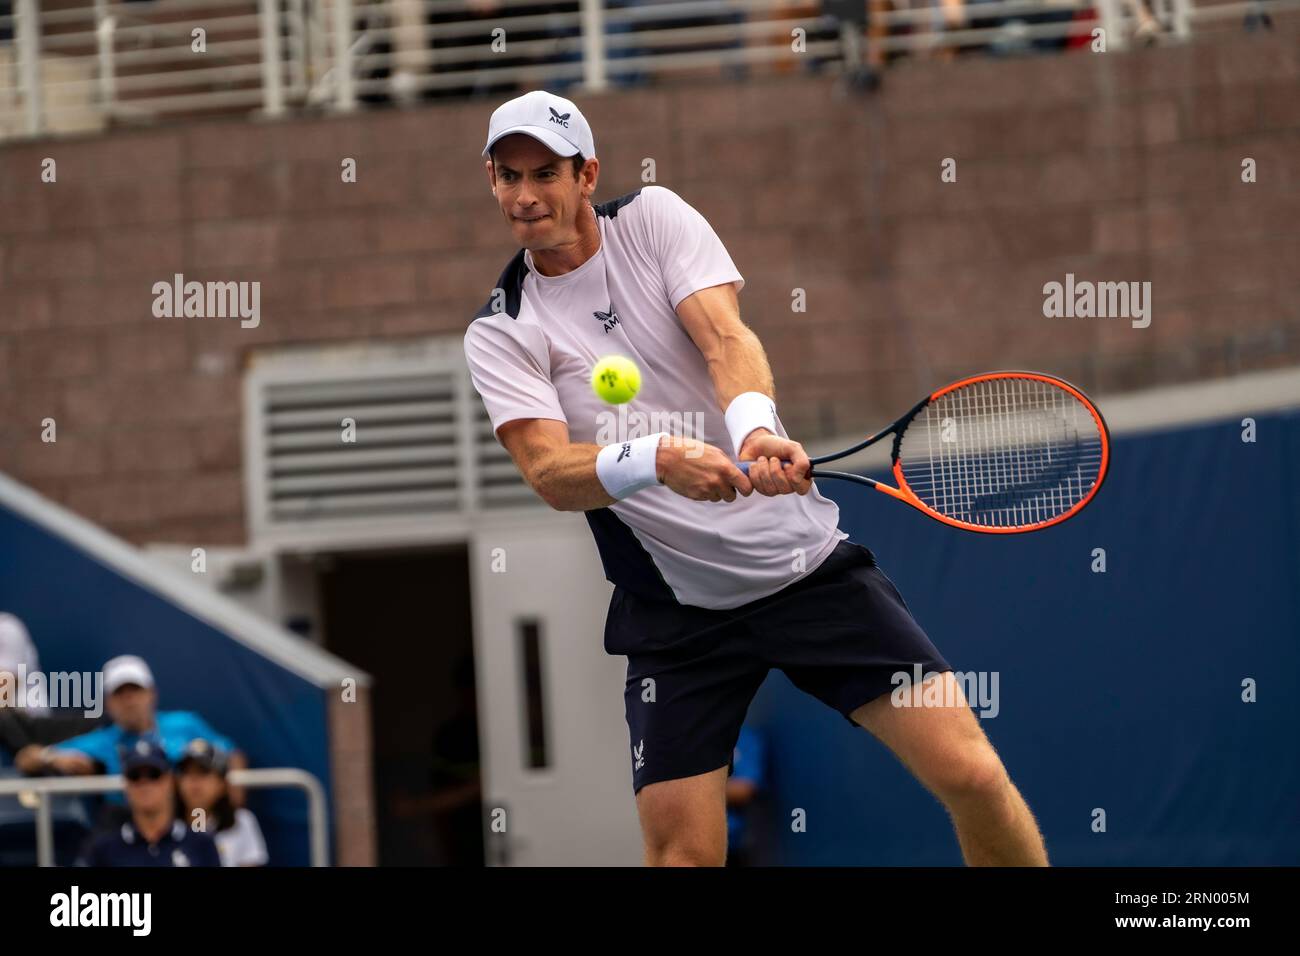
(903, 492)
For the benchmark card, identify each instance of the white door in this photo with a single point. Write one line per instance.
(555, 750)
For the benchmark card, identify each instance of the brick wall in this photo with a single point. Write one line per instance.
(1113, 167)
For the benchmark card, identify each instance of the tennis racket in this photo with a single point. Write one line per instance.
(999, 453)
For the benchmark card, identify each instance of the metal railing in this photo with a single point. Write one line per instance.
(41, 788)
(78, 65)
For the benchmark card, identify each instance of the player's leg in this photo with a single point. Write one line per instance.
(946, 749)
(691, 674)
(684, 821)
(843, 635)
(684, 721)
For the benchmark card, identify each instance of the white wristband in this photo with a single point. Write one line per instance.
(746, 412)
(624, 468)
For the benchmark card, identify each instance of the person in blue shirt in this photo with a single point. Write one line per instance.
(153, 836)
(132, 707)
(748, 779)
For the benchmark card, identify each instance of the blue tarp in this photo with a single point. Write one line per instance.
(1119, 690)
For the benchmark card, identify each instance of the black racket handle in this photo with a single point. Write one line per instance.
(744, 465)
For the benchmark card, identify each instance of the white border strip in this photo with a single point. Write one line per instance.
(291, 652)
(1176, 406)
(1127, 413)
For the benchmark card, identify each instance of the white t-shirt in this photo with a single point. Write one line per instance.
(242, 844)
(531, 350)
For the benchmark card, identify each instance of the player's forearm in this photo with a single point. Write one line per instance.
(738, 364)
(566, 479)
(735, 360)
(732, 352)
(570, 479)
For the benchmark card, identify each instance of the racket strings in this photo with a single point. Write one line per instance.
(1001, 453)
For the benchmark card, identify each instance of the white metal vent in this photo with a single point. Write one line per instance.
(423, 446)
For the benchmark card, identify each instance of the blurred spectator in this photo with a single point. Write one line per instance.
(858, 29)
(18, 659)
(737, 70)
(412, 61)
(455, 798)
(457, 37)
(941, 16)
(153, 836)
(1256, 18)
(457, 803)
(132, 707)
(877, 30)
(24, 719)
(1147, 29)
(618, 27)
(201, 781)
(747, 782)
(450, 36)
(1053, 44)
(977, 20)
(1013, 38)
(1086, 18)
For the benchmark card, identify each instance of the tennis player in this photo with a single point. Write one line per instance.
(718, 576)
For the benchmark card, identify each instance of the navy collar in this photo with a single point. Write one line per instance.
(131, 834)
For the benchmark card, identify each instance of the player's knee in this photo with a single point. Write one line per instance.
(684, 851)
(683, 838)
(977, 775)
(683, 823)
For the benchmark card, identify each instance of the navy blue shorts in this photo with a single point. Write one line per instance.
(840, 634)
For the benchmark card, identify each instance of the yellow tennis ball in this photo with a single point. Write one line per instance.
(616, 379)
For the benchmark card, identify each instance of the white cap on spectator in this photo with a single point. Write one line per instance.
(127, 669)
(551, 120)
(16, 647)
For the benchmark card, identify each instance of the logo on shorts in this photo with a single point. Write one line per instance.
(607, 319)
(638, 755)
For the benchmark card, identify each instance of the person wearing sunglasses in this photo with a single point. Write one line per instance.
(154, 835)
(205, 798)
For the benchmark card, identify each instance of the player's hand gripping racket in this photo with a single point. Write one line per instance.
(999, 453)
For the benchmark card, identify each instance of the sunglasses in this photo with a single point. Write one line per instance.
(144, 773)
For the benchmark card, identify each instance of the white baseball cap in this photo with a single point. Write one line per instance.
(551, 120)
(126, 669)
